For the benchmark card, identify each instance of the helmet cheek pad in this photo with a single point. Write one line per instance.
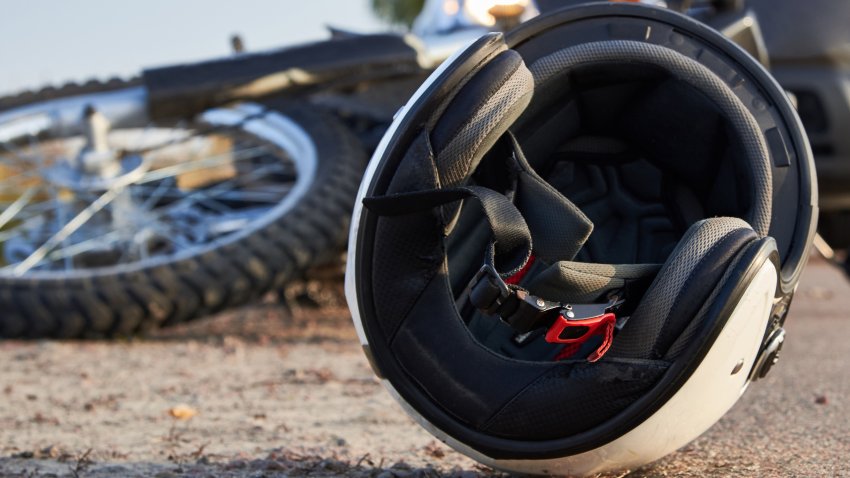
(541, 131)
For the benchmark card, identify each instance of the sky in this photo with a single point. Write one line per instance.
(54, 41)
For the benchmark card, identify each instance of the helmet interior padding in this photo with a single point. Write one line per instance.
(645, 157)
(644, 141)
(474, 375)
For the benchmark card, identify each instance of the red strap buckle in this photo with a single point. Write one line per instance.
(577, 331)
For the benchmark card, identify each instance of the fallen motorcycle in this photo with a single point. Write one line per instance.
(809, 46)
(134, 204)
(127, 205)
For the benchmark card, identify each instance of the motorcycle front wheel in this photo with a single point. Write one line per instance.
(113, 226)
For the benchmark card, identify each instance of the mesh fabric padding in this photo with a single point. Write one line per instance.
(574, 397)
(436, 350)
(684, 339)
(558, 226)
(527, 400)
(624, 198)
(559, 64)
(412, 239)
(487, 104)
(582, 282)
(709, 243)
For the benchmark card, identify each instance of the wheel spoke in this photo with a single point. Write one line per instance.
(268, 194)
(65, 232)
(215, 191)
(158, 193)
(17, 156)
(212, 161)
(34, 210)
(216, 205)
(70, 250)
(13, 209)
(67, 252)
(207, 130)
(194, 186)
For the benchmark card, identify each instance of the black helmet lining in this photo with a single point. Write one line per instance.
(645, 141)
(427, 349)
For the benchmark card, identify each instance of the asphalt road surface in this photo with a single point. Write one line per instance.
(265, 392)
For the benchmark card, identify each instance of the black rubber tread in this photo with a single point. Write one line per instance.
(24, 98)
(59, 299)
(126, 303)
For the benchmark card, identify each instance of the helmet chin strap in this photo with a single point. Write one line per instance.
(494, 290)
(572, 325)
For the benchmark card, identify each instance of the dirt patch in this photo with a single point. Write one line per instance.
(277, 391)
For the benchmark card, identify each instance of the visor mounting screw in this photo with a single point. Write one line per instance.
(540, 303)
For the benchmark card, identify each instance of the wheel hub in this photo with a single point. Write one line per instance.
(97, 167)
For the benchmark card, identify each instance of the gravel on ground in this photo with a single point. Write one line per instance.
(272, 391)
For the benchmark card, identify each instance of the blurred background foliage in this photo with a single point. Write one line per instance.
(397, 12)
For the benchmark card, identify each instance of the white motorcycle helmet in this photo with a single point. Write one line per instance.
(576, 246)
